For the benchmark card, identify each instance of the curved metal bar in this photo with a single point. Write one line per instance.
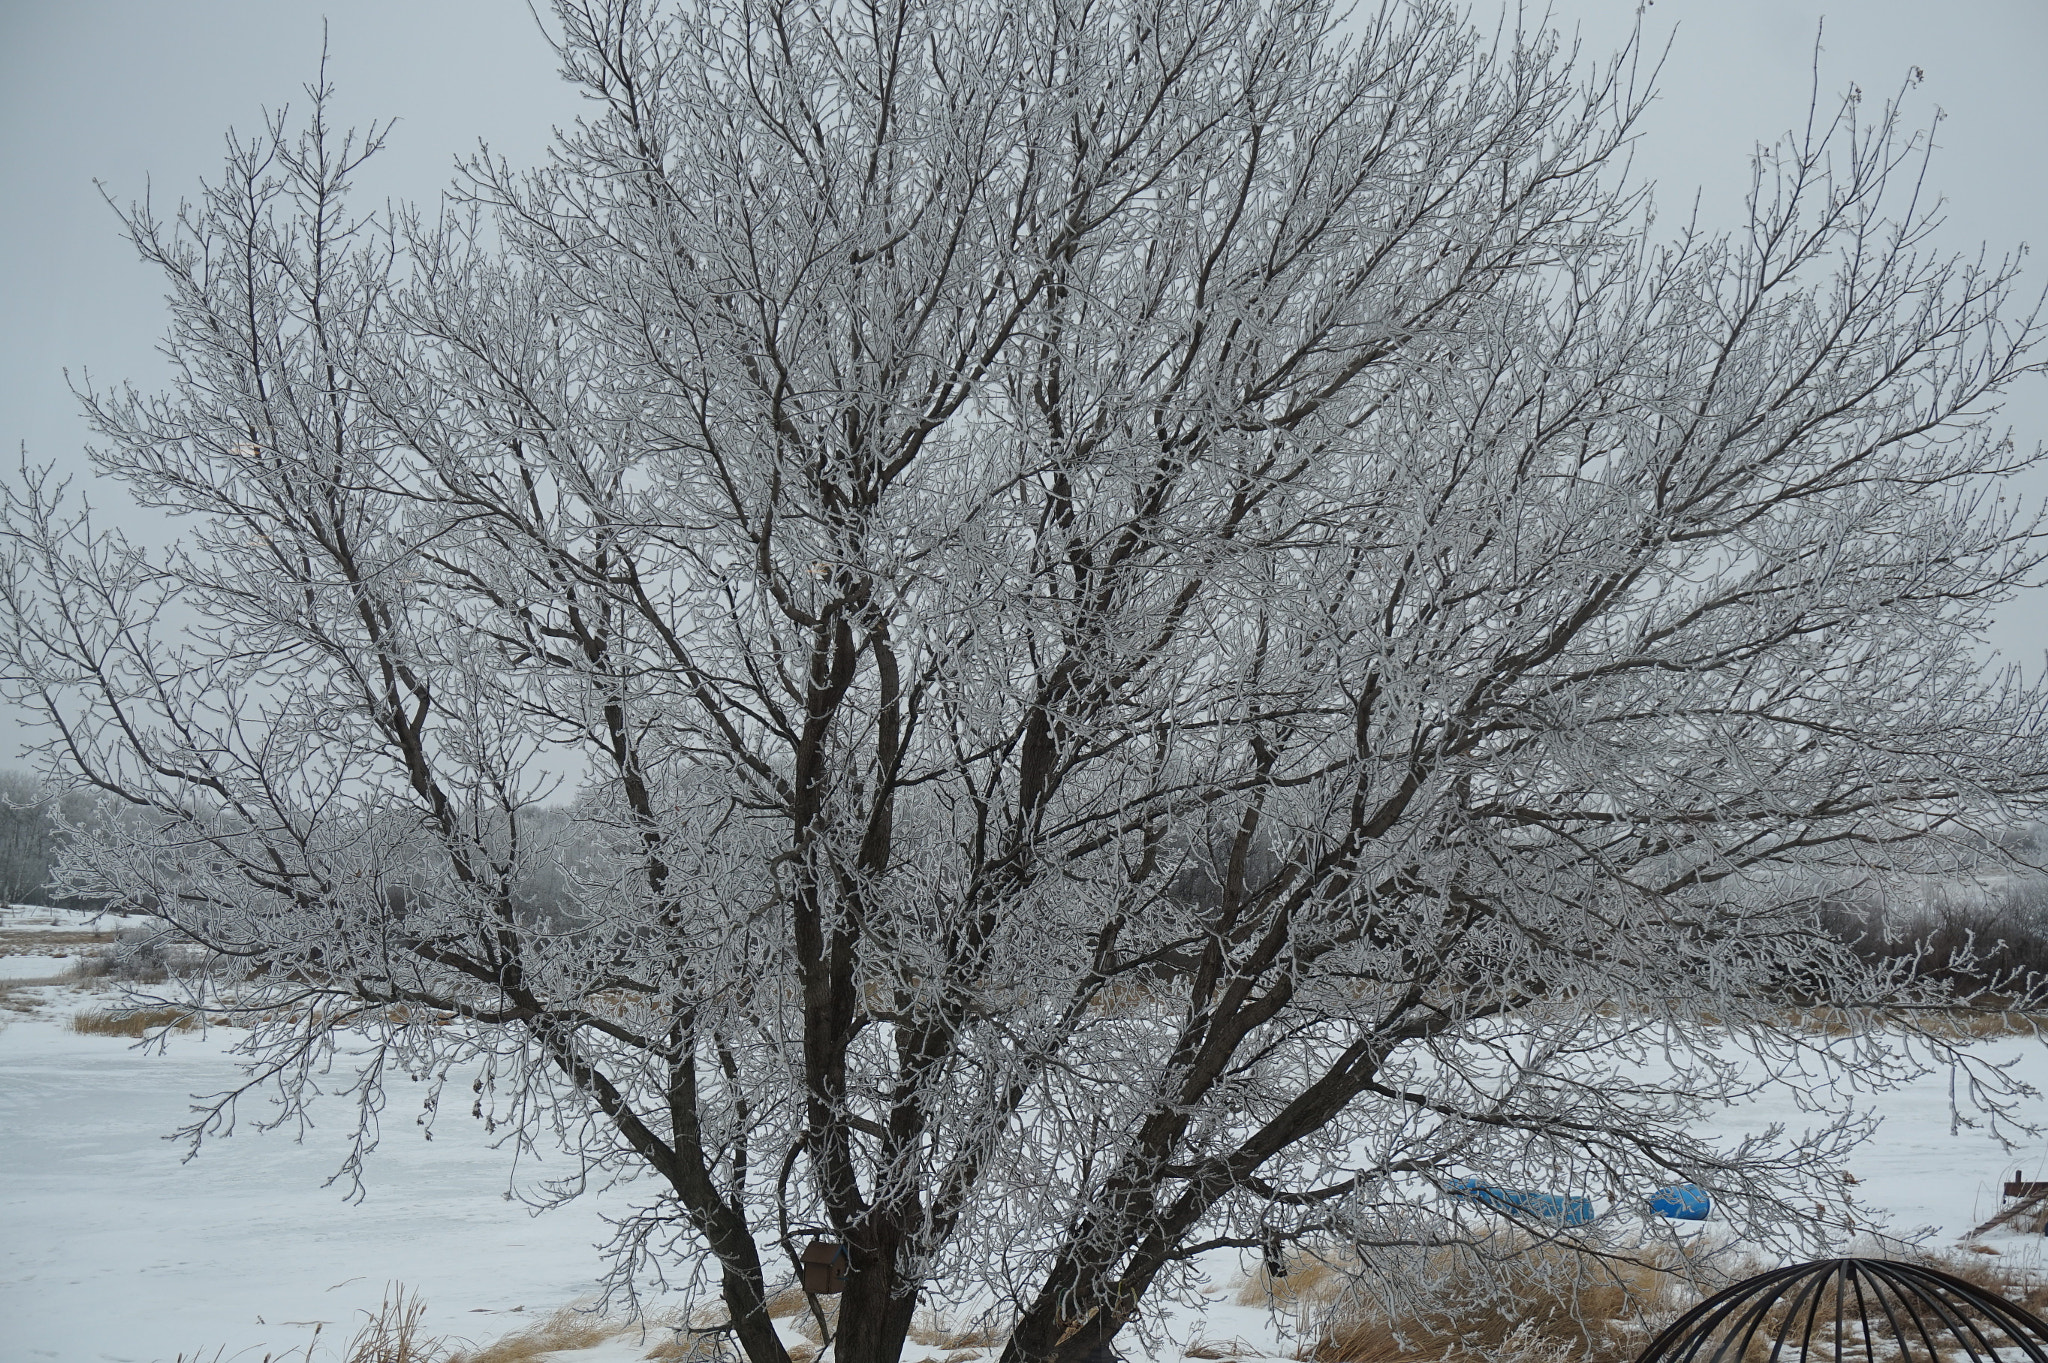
(1698, 1325)
(1912, 1302)
(1808, 1296)
(1844, 1278)
(1960, 1327)
(1894, 1302)
(1891, 1317)
(1987, 1304)
(1754, 1321)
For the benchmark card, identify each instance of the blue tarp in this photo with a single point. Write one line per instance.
(1682, 1202)
(1561, 1207)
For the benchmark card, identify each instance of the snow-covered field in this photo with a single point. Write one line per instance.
(112, 1249)
(115, 1250)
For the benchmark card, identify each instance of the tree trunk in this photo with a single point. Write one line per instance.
(874, 1315)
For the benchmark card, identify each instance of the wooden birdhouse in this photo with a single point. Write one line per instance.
(825, 1264)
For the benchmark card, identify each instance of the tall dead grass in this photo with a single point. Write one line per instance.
(1557, 1304)
(1309, 1281)
(934, 1331)
(807, 1324)
(788, 1301)
(2020, 1285)
(566, 1329)
(395, 1334)
(693, 1347)
(134, 1022)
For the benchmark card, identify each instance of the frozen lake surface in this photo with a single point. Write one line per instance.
(115, 1250)
(111, 1248)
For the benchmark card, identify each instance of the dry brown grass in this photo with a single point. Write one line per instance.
(566, 1329)
(788, 1302)
(394, 1334)
(702, 1348)
(23, 996)
(131, 1022)
(928, 1330)
(1956, 1025)
(2015, 1285)
(1986, 1021)
(1993, 1274)
(807, 1324)
(978, 1337)
(404, 1014)
(22, 941)
(1949, 1024)
(1308, 1280)
(1575, 1307)
(934, 1331)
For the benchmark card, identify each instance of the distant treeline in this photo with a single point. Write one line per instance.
(29, 840)
(32, 835)
(1972, 931)
(1962, 930)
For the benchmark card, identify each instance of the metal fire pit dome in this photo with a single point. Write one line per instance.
(1867, 1310)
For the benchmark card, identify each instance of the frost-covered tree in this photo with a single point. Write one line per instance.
(1170, 623)
(30, 835)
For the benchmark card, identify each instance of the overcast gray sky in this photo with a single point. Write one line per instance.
(138, 94)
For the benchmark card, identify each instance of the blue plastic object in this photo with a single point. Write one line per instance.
(1559, 1207)
(1682, 1202)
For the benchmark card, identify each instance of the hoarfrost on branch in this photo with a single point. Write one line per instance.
(1041, 636)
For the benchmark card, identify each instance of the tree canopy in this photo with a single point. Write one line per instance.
(1039, 637)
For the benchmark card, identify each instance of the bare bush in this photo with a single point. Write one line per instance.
(1958, 930)
(1560, 1302)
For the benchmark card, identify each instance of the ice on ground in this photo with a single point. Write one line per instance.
(39, 943)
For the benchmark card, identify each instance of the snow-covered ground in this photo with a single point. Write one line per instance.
(24, 966)
(38, 943)
(112, 1249)
(23, 921)
(1917, 1173)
